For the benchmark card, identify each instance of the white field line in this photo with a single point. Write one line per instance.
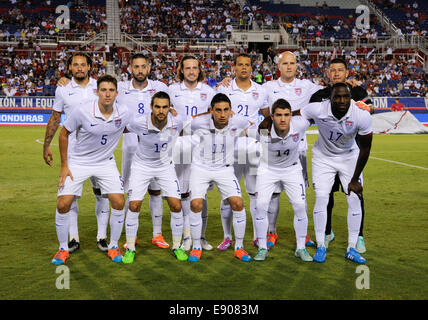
(400, 163)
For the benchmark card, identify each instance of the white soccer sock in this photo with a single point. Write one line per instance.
(73, 214)
(156, 208)
(102, 211)
(300, 224)
(185, 205)
(239, 223)
(320, 218)
(195, 229)
(226, 218)
(116, 225)
(62, 223)
(253, 211)
(176, 228)
(261, 227)
(354, 218)
(131, 228)
(273, 211)
(204, 216)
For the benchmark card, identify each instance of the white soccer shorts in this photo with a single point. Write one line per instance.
(289, 179)
(225, 179)
(324, 170)
(106, 177)
(142, 176)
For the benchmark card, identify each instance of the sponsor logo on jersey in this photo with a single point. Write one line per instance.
(349, 124)
(71, 93)
(255, 95)
(298, 91)
(203, 96)
(118, 123)
(296, 137)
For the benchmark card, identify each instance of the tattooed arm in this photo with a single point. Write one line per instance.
(51, 129)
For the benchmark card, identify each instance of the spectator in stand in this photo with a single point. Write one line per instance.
(397, 106)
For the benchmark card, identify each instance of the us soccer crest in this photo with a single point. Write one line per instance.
(255, 95)
(95, 91)
(349, 124)
(118, 123)
(298, 91)
(203, 96)
(152, 92)
(296, 137)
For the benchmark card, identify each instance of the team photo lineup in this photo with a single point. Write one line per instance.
(236, 150)
(217, 136)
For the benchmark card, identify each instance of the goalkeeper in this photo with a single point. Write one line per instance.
(338, 72)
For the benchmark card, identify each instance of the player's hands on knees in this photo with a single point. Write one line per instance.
(356, 187)
(225, 82)
(63, 82)
(47, 155)
(63, 174)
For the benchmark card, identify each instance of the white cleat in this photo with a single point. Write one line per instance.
(187, 243)
(205, 245)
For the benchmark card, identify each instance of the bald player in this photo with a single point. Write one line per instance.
(298, 93)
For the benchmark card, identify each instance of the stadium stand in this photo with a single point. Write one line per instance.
(33, 50)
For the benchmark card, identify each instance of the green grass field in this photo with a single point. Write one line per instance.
(396, 223)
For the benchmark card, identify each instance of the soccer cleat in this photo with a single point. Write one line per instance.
(271, 240)
(187, 243)
(261, 255)
(73, 245)
(180, 254)
(160, 241)
(242, 255)
(361, 246)
(303, 254)
(102, 245)
(115, 254)
(128, 257)
(353, 255)
(125, 246)
(195, 255)
(309, 242)
(225, 244)
(328, 238)
(60, 257)
(256, 243)
(320, 254)
(205, 245)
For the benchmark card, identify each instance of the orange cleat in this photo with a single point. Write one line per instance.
(160, 241)
(271, 239)
(60, 257)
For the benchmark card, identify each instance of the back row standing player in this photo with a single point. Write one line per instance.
(136, 94)
(338, 72)
(81, 89)
(247, 99)
(297, 93)
(190, 97)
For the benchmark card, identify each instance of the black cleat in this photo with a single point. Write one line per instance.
(102, 245)
(73, 245)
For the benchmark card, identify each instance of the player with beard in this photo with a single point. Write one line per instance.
(81, 89)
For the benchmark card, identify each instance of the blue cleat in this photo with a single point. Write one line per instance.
(353, 255)
(320, 254)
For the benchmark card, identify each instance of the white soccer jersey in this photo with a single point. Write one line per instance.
(189, 103)
(155, 146)
(283, 152)
(337, 137)
(138, 101)
(96, 136)
(297, 93)
(245, 103)
(72, 95)
(214, 148)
